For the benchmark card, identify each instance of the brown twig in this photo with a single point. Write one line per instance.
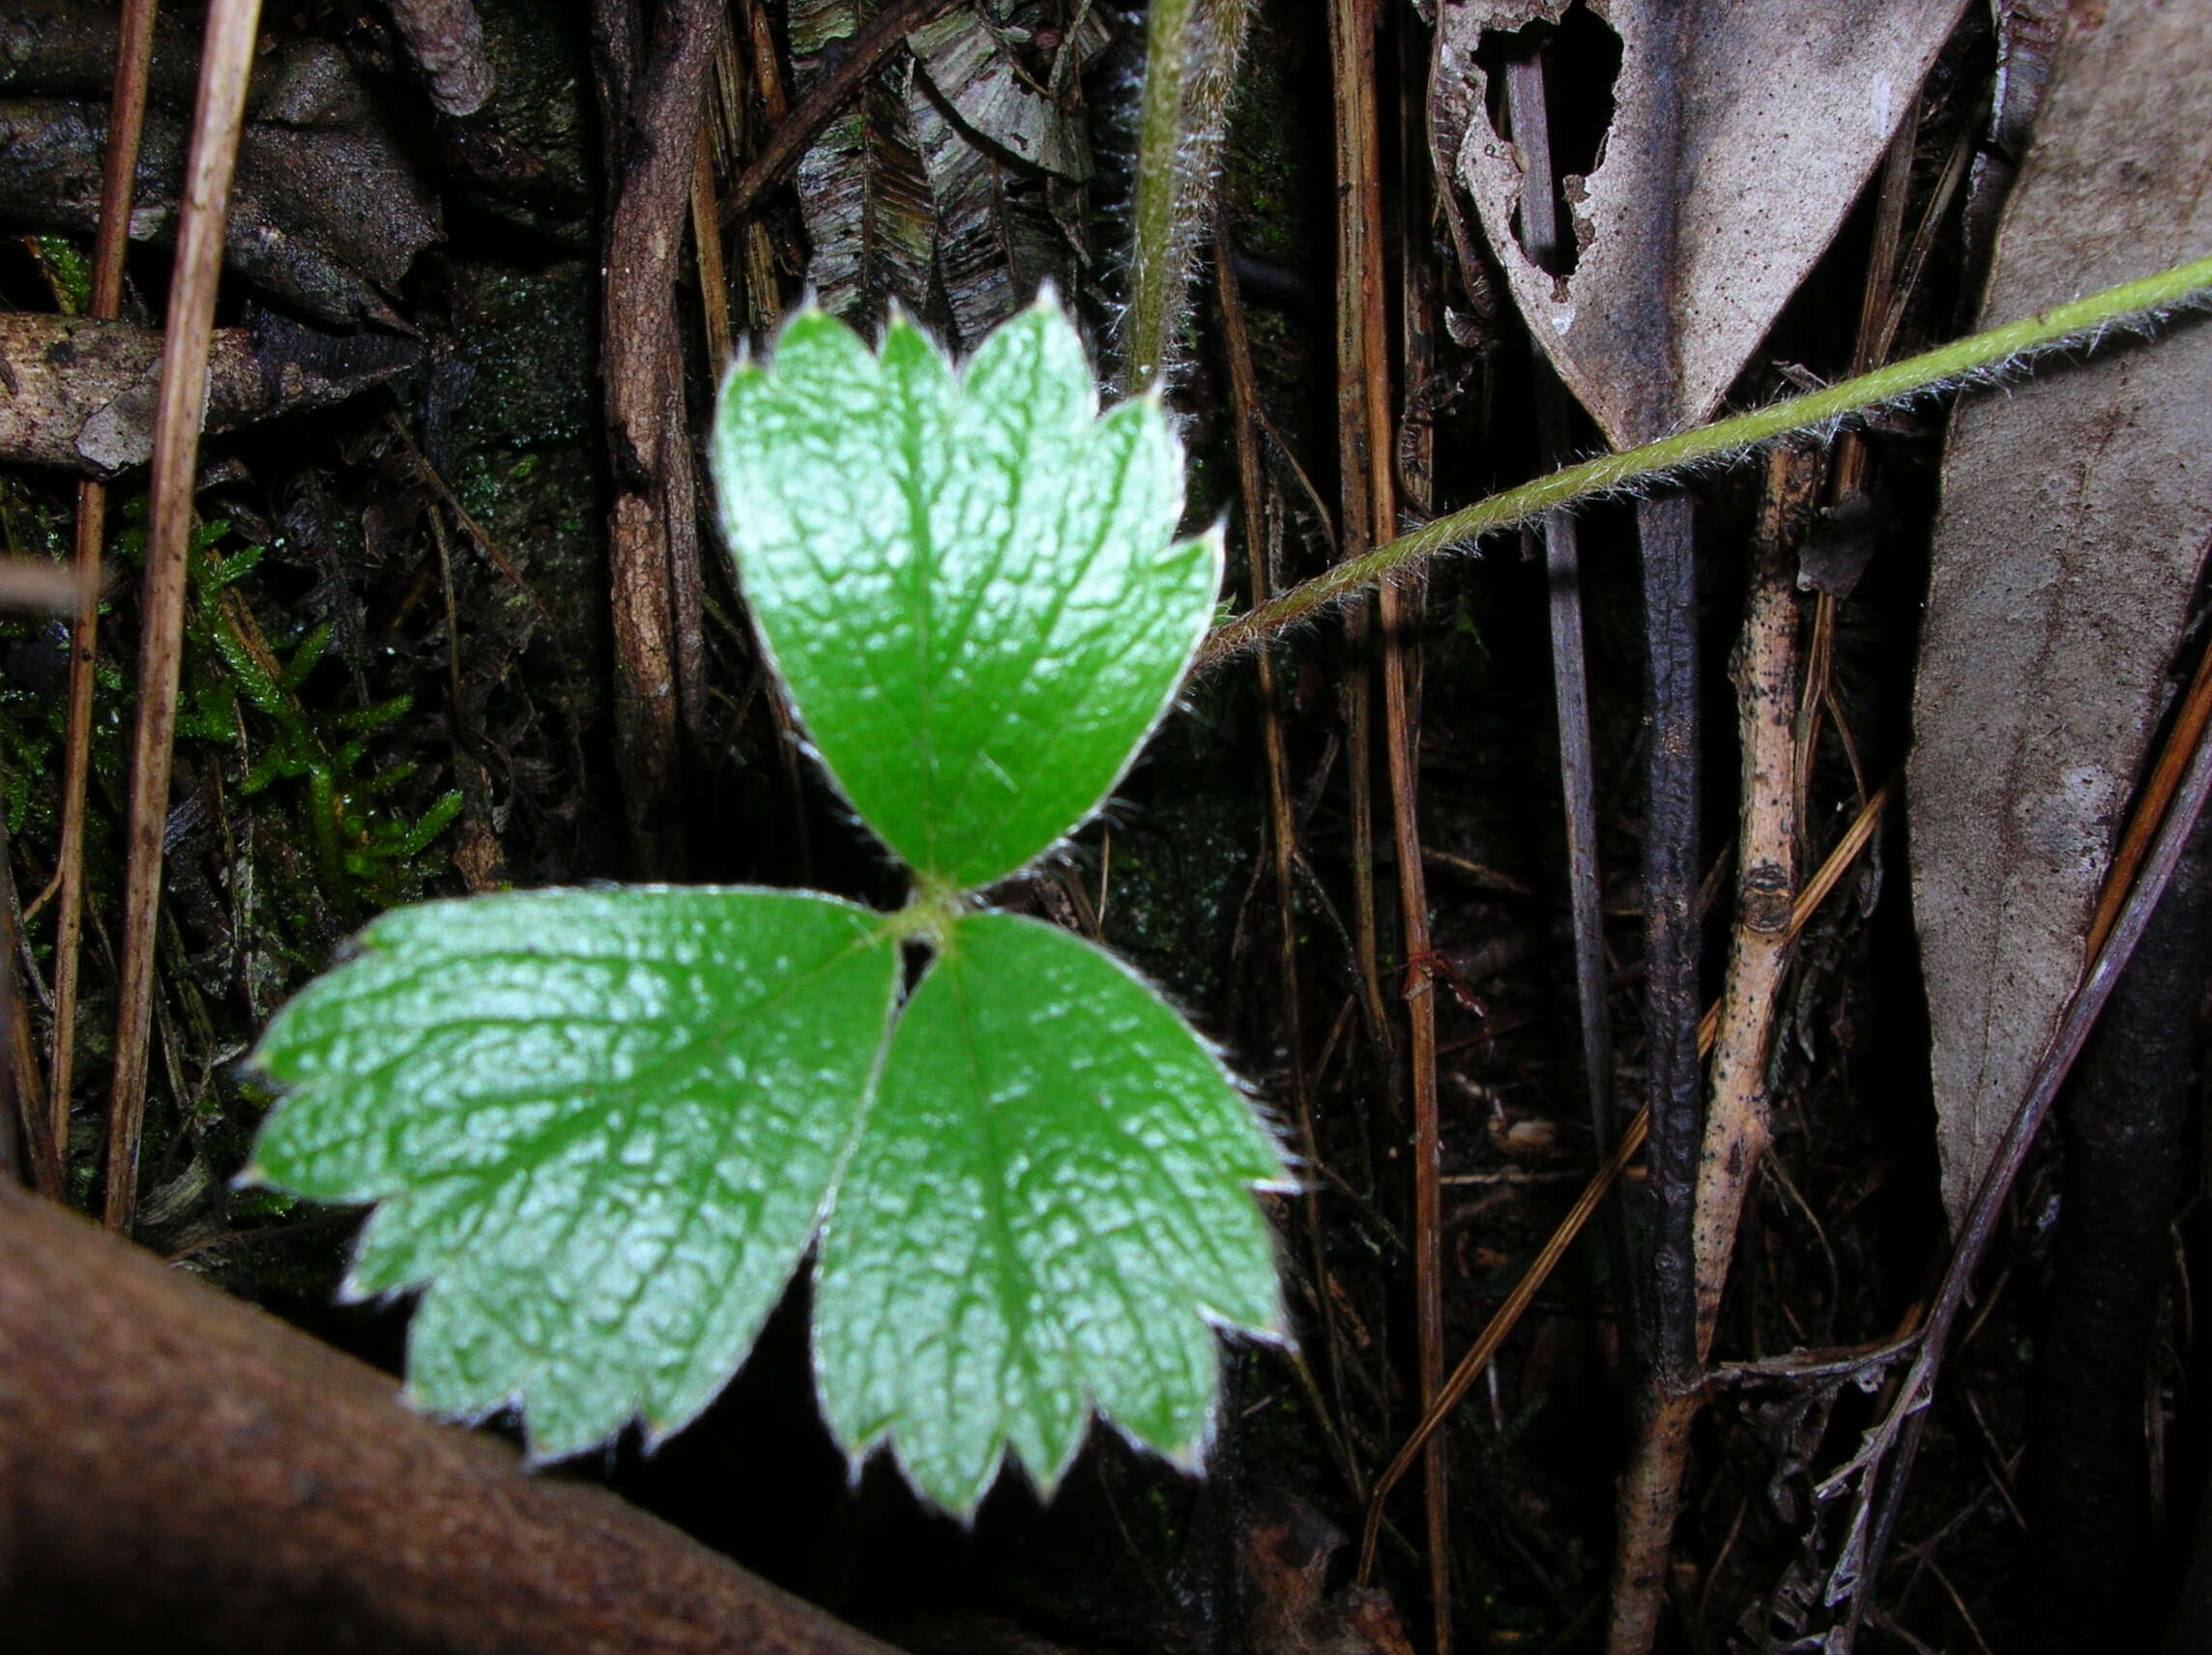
(125, 120)
(768, 72)
(1398, 606)
(1881, 307)
(1283, 831)
(1502, 1321)
(1528, 118)
(1368, 518)
(226, 60)
(21, 1114)
(653, 105)
(1737, 1121)
(1355, 692)
(180, 1461)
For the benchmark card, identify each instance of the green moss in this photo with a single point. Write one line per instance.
(70, 272)
(530, 338)
(1176, 878)
(1266, 160)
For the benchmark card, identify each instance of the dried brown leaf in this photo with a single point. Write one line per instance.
(996, 239)
(970, 65)
(1743, 131)
(2074, 517)
(865, 199)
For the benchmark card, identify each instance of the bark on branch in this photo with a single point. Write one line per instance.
(653, 91)
(177, 1466)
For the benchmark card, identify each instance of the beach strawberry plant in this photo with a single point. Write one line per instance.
(603, 1128)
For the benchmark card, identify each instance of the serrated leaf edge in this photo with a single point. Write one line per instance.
(1212, 537)
(1184, 1456)
(653, 1434)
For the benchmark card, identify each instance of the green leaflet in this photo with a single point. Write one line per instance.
(967, 581)
(1049, 1203)
(602, 1125)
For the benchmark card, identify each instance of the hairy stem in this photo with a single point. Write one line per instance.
(1191, 49)
(2084, 322)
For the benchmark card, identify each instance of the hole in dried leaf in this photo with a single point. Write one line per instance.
(1562, 74)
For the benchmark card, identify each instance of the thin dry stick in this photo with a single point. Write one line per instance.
(226, 61)
(1508, 1314)
(1398, 607)
(1283, 830)
(707, 242)
(1529, 115)
(767, 71)
(1356, 146)
(126, 119)
(1848, 479)
(19, 1106)
(1737, 1120)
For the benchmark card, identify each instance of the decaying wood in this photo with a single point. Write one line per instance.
(653, 100)
(2075, 514)
(327, 213)
(85, 392)
(177, 1466)
(445, 40)
(1666, 1294)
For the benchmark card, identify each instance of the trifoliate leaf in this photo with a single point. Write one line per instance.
(1050, 1204)
(965, 580)
(602, 1126)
